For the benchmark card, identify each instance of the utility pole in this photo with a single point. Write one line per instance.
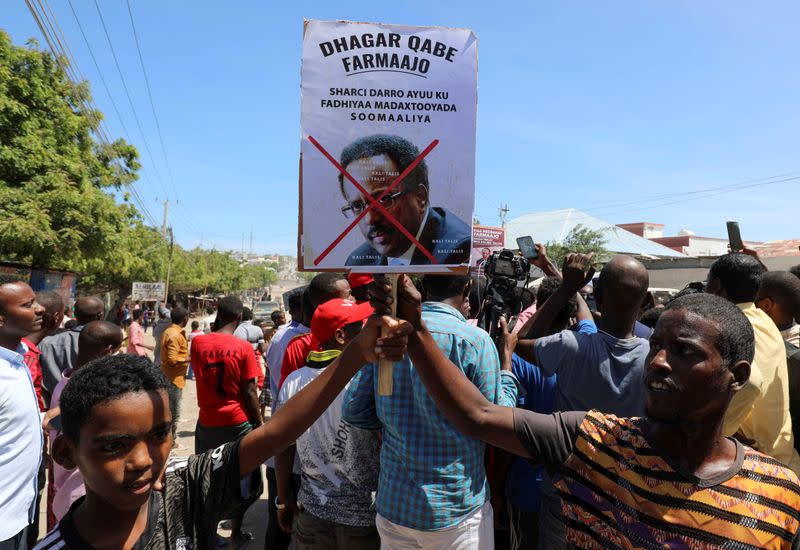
(251, 240)
(166, 219)
(503, 212)
(164, 234)
(169, 264)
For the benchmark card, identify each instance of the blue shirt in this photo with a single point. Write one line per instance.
(523, 479)
(20, 443)
(595, 371)
(432, 476)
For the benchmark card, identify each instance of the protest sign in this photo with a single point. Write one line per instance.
(387, 172)
(149, 292)
(485, 240)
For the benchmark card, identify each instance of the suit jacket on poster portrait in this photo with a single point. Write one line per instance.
(445, 236)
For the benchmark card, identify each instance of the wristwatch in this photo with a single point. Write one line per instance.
(278, 505)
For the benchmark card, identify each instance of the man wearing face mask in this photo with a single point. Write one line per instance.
(375, 162)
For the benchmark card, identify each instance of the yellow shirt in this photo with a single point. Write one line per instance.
(175, 355)
(760, 410)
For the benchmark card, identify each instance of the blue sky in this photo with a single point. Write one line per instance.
(615, 108)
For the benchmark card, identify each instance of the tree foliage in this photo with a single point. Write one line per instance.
(214, 271)
(579, 239)
(55, 178)
(58, 184)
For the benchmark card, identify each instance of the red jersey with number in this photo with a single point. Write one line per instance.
(222, 365)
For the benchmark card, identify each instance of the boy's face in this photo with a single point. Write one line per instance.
(123, 449)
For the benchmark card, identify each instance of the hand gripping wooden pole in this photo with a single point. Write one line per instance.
(385, 366)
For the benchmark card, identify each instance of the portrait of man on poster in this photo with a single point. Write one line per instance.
(375, 162)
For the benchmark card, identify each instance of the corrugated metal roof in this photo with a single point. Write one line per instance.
(555, 225)
(779, 249)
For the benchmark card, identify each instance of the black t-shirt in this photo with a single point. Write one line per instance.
(197, 495)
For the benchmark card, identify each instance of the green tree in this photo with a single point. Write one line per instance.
(55, 179)
(58, 184)
(258, 276)
(579, 239)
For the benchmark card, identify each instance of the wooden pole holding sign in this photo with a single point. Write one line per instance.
(385, 366)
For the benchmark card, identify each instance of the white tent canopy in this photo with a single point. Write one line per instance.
(555, 225)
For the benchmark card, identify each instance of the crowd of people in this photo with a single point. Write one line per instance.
(616, 422)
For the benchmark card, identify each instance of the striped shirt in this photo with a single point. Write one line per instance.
(618, 492)
(432, 476)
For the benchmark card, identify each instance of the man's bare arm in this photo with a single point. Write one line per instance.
(251, 404)
(583, 312)
(294, 418)
(284, 464)
(458, 398)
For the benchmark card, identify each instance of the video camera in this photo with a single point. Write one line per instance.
(503, 263)
(504, 295)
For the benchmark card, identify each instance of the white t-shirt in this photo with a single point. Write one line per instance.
(340, 463)
(250, 333)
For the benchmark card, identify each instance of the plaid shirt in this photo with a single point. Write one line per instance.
(432, 476)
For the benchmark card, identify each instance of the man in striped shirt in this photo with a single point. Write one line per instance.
(668, 479)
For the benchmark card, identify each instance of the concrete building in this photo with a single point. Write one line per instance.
(685, 242)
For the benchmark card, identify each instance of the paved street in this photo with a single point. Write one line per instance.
(255, 520)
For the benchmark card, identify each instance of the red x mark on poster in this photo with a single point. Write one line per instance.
(374, 201)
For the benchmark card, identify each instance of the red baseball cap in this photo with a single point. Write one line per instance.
(335, 314)
(359, 279)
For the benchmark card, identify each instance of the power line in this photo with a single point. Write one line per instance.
(97, 67)
(728, 187)
(710, 192)
(707, 193)
(125, 132)
(55, 38)
(73, 69)
(53, 35)
(128, 94)
(186, 218)
(150, 96)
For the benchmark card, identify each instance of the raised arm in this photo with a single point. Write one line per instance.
(456, 396)
(583, 312)
(294, 418)
(550, 269)
(544, 438)
(578, 271)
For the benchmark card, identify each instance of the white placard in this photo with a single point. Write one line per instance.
(377, 101)
(149, 292)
